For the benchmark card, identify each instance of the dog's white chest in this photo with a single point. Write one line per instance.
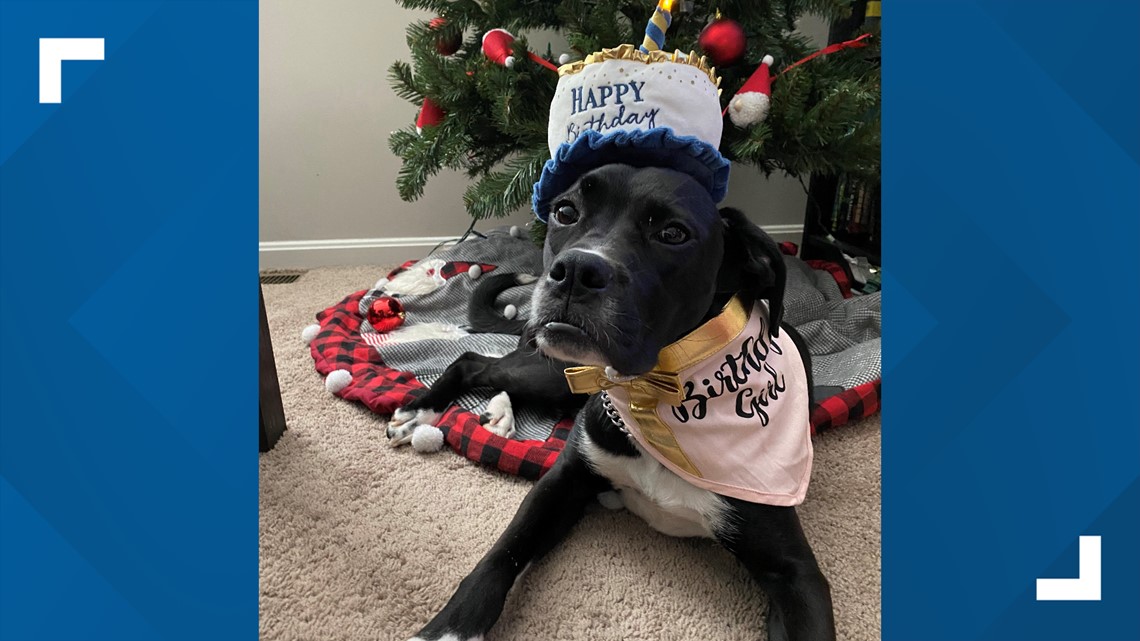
(664, 500)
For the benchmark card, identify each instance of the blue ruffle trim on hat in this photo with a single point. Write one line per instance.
(658, 147)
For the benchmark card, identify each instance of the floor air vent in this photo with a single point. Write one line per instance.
(280, 277)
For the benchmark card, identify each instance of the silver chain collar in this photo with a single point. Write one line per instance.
(612, 412)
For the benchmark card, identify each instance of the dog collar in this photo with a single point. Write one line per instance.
(726, 408)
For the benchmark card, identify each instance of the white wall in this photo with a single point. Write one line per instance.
(327, 182)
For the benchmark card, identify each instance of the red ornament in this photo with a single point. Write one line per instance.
(445, 45)
(431, 115)
(723, 40)
(385, 314)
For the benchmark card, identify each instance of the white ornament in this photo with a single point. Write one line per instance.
(474, 271)
(510, 311)
(564, 58)
(509, 62)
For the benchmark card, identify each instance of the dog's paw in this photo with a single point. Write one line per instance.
(404, 423)
(400, 417)
(499, 417)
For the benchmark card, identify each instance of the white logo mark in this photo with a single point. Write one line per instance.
(53, 51)
(1086, 587)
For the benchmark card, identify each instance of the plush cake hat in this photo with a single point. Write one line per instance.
(643, 108)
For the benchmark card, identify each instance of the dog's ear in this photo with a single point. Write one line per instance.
(753, 265)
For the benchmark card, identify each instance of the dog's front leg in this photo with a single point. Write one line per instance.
(547, 514)
(769, 542)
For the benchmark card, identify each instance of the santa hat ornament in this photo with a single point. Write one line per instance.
(750, 105)
(431, 115)
(498, 47)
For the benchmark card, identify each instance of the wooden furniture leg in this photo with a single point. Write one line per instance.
(271, 414)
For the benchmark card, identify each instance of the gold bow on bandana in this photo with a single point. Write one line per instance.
(644, 393)
(661, 385)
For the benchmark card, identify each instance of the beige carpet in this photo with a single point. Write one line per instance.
(360, 541)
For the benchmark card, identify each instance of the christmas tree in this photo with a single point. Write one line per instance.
(490, 120)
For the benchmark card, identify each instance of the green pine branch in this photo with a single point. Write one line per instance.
(501, 193)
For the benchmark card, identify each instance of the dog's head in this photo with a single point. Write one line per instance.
(635, 258)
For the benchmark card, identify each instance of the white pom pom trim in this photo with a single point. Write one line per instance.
(420, 130)
(310, 332)
(474, 272)
(767, 60)
(509, 62)
(564, 58)
(611, 500)
(337, 380)
(427, 438)
(510, 311)
(747, 109)
(516, 231)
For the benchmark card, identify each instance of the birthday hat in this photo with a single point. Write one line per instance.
(750, 105)
(647, 109)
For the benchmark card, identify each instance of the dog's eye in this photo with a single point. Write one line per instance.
(566, 215)
(673, 235)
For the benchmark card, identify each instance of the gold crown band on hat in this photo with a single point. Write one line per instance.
(630, 52)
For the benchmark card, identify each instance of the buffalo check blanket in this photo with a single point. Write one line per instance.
(388, 370)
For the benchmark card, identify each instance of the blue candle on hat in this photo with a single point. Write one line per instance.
(657, 26)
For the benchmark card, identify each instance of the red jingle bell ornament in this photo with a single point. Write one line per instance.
(723, 41)
(445, 45)
(386, 314)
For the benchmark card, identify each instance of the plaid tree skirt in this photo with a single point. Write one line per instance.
(339, 345)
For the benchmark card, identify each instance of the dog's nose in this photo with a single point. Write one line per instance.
(581, 273)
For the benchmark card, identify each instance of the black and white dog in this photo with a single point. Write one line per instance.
(636, 258)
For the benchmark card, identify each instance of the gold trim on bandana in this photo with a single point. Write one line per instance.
(705, 340)
(662, 383)
(630, 52)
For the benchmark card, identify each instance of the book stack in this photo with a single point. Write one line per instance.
(856, 210)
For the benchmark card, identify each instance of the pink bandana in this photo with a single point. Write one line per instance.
(741, 428)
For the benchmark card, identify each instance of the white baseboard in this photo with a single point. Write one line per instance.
(304, 254)
(285, 254)
(785, 233)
